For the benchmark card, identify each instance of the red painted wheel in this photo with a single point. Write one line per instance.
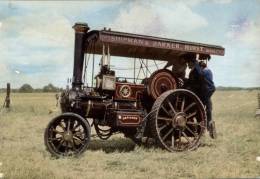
(178, 120)
(161, 81)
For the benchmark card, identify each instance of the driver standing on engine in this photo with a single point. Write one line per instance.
(210, 89)
(201, 83)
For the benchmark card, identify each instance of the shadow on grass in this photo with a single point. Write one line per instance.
(207, 145)
(120, 145)
(112, 145)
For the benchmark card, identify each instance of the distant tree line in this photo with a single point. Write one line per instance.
(27, 88)
(222, 88)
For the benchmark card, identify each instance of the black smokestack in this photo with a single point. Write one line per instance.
(81, 30)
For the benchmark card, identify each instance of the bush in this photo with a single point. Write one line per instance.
(50, 88)
(26, 88)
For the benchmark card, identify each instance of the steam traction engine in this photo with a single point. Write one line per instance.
(156, 107)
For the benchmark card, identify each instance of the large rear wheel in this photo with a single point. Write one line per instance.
(178, 120)
(67, 135)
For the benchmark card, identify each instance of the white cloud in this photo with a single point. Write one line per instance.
(251, 35)
(175, 19)
(37, 39)
(223, 1)
(56, 32)
(43, 37)
(29, 45)
(67, 8)
(4, 74)
(242, 52)
(196, 2)
(246, 32)
(3, 69)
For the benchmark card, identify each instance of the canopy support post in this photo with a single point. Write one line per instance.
(134, 70)
(146, 74)
(93, 66)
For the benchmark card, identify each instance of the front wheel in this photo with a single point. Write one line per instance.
(178, 120)
(67, 135)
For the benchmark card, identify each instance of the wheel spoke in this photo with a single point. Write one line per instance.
(165, 111)
(68, 127)
(165, 118)
(78, 139)
(188, 107)
(62, 126)
(61, 142)
(167, 134)
(173, 140)
(172, 108)
(197, 124)
(195, 135)
(78, 134)
(177, 100)
(72, 124)
(186, 137)
(76, 126)
(56, 138)
(179, 140)
(67, 147)
(56, 131)
(162, 127)
(191, 115)
(73, 144)
(182, 104)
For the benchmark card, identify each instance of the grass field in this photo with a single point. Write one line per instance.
(233, 154)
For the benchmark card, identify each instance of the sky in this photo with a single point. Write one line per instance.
(37, 39)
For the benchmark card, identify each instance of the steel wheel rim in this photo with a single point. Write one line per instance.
(182, 125)
(67, 136)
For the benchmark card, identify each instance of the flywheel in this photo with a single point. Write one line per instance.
(159, 82)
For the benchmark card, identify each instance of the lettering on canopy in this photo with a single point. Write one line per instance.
(154, 43)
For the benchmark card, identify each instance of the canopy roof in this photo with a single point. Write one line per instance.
(147, 47)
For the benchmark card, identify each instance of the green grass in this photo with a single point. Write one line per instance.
(233, 154)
